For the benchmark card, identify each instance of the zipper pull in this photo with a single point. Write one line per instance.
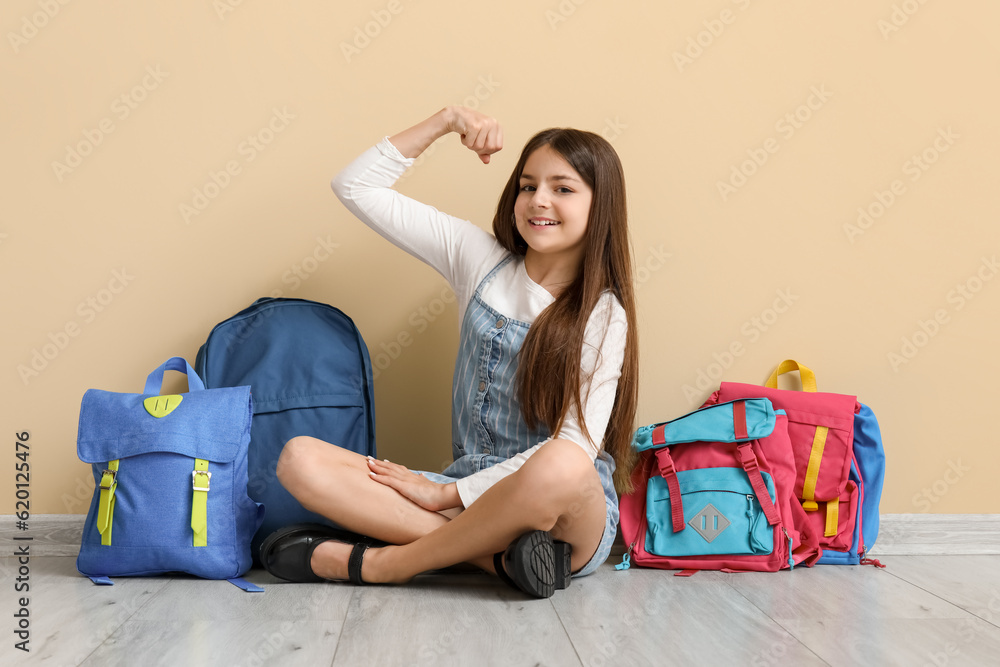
(869, 561)
(791, 560)
(626, 559)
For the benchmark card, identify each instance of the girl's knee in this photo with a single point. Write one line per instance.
(562, 467)
(298, 455)
(289, 457)
(305, 458)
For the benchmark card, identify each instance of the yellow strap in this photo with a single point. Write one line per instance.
(812, 470)
(106, 506)
(832, 517)
(199, 502)
(805, 374)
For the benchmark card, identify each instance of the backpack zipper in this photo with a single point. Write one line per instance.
(791, 559)
(748, 495)
(861, 514)
(627, 558)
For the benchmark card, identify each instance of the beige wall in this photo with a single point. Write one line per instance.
(164, 95)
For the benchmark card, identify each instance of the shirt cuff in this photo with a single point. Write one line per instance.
(388, 149)
(467, 495)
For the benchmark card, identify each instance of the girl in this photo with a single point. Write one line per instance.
(545, 383)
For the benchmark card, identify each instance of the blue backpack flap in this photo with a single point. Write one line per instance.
(310, 374)
(714, 423)
(170, 473)
(868, 472)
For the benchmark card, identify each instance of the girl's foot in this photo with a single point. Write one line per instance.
(289, 553)
(536, 564)
(333, 560)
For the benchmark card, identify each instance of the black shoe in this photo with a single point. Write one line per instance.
(286, 553)
(536, 564)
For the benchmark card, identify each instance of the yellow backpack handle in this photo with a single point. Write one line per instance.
(809, 503)
(789, 365)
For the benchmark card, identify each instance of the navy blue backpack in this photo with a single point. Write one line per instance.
(309, 374)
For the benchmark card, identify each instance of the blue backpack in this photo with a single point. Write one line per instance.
(309, 374)
(868, 472)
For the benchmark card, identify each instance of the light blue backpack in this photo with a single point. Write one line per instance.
(170, 473)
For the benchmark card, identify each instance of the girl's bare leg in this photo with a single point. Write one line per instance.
(334, 482)
(557, 489)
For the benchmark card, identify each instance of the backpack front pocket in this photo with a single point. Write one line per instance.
(721, 515)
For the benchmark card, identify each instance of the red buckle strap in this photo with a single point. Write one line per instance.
(749, 461)
(673, 487)
(747, 458)
(740, 420)
(659, 435)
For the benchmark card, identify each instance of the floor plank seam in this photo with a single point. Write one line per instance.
(953, 604)
(776, 622)
(569, 637)
(126, 620)
(97, 648)
(343, 624)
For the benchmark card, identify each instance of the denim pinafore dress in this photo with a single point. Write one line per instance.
(486, 422)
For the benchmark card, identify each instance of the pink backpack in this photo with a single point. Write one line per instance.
(837, 471)
(714, 490)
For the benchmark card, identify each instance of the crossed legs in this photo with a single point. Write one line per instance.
(557, 489)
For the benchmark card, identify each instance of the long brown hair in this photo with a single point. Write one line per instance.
(549, 365)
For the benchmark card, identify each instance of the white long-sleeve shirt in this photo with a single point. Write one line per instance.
(463, 253)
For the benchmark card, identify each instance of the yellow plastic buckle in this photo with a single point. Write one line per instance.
(194, 480)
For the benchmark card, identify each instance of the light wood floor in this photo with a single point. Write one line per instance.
(921, 610)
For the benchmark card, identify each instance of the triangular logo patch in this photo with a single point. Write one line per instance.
(161, 406)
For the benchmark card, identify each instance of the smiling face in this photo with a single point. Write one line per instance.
(552, 207)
